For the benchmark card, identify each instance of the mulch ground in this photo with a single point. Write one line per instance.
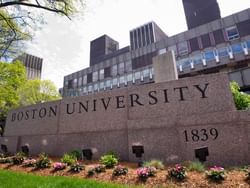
(235, 178)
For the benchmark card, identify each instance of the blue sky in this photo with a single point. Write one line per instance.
(64, 44)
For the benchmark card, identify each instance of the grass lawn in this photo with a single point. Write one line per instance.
(9, 179)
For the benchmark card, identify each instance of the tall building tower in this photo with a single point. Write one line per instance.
(199, 12)
(100, 47)
(32, 64)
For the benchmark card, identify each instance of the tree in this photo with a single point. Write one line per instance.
(37, 91)
(12, 77)
(241, 100)
(18, 20)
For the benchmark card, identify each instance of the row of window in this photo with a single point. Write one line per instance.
(215, 55)
(115, 82)
(205, 41)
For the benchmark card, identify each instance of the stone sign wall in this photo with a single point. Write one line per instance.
(171, 120)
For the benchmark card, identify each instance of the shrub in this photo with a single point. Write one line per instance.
(18, 158)
(241, 100)
(68, 159)
(43, 161)
(158, 164)
(248, 174)
(6, 160)
(120, 170)
(96, 169)
(76, 167)
(109, 160)
(178, 172)
(142, 173)
(29, 162)
(195, 166)
(59, 166)
(76, 153)
(216, 174)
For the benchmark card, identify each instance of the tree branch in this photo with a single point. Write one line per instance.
(21, 3)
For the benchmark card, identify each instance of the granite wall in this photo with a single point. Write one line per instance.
(171, 120)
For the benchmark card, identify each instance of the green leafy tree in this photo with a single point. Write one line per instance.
(12, 77)
(20, 18)
(37, 91)
(241, 100)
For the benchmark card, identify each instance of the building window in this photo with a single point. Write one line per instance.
(122, 79)
(70, 84)
(232, 33)
(146, 73)
(114, 81)
(107, 72)
(197, 59)
(209, 56)
(222, 52)
(121, 68)
(75, 83)
(218, 36)
(101, 85)
(137, 75)
(108, 83)
(90, 88)
(205, 39)
(95, 86)
(79, 81)
(184, 62)
(182, 48)
(101, 74)
(194, 45)
(128, 65)
(89, 78)
(84, 79)
(130, 77)
(237, 48)
(244, 28)
(114, 70)
(248, 44)
(95, 76)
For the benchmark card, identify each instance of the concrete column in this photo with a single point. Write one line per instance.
(165, 67)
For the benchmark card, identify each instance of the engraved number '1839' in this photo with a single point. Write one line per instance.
(196, 135)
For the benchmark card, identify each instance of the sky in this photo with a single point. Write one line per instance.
(64, 44)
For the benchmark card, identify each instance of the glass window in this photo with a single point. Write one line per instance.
(197, 59)
(101, 85)
(90, 88)
(128, 65)
(79, 81)
(138, 75)
(194, 45)
(248, 44)
(184, 62)
(237, 48)
(173, 48)
(75, 83)
(101, 74)
(209, 56)
(146, 73)
(95, 86)
(222, 52)
(114, 81)
(84, 79)
(232, 33)
(122, 79)
(129, 77)
(108, 83)
(95, 76)
(114, 70)
(183, 48)
(121, 68)
(85, 90)
(66, 83)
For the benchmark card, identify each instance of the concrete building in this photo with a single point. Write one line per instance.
(216, 45)
(33, 65)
